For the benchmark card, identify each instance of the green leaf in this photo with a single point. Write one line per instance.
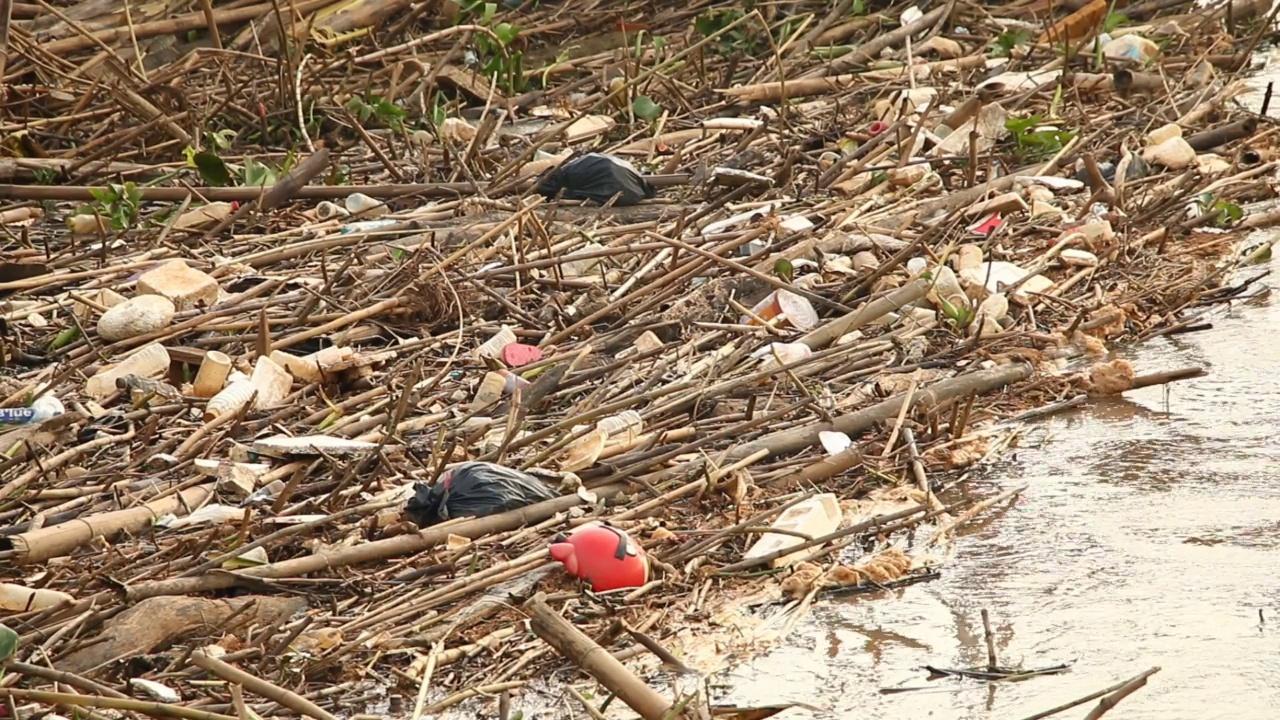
(133, 194)
(1020, 126)
(257, 175)
(221, 139)
(506, 33)
(644, 107)
(1113, 21)
(212, 169)
(102, 196)
(783, 268)
(8, 643)
(1229, 213)
(387, 109)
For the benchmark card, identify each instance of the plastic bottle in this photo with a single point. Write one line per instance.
(147, 361)
(205, 215)
(45, 407)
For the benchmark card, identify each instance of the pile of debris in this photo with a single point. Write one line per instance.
(379, 357)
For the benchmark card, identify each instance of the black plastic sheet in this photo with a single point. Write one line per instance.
(474, 489)
(596, 177)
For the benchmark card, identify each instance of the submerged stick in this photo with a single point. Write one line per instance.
(1123, 692)
(1087, 698)
(992, 666)
(1163, 378)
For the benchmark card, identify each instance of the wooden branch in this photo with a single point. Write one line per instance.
(190, 21)
(154, 709)
(823, 336)
(364, 553)
(594, 660)
(286, 188)
(58, 540)
(788, 441)
(257, 685)
(1087, 698)
(1110, 701)
(84, 193)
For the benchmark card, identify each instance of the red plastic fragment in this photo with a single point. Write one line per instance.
(520, 354)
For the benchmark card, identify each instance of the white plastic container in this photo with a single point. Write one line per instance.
(271, 381)
(303, 367)
(230, 399)
(623, 427)
(212, 374)
(16, 598)
(492, 348)
(819, 515)
(147, 361)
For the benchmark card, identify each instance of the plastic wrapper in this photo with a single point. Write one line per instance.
(596, 177)
(474, 489)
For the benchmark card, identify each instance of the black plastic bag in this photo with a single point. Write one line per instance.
(474, 489)
(596, 177)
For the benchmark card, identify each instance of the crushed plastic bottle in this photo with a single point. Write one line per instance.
(45, 407)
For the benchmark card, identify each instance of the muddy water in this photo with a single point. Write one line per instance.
(1149, 535)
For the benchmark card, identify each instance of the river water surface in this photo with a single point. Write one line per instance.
(1149, 536)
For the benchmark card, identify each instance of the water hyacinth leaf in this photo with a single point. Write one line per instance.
(644, 107)
(783, 268)
(506, 33)
(258, 175)
(8, 643)
(212, 169)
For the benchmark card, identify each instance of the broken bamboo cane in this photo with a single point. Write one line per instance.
(582, 651)
(983, 381)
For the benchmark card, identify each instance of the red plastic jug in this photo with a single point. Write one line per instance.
(603, 556)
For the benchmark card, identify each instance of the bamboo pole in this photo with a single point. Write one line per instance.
(597, 662)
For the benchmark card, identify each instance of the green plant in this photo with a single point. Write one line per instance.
(645, 108)
(496, 58)
(213, 170)
(8, 643)
(743, 38)
(783, 268)
(1228, 213)
(378, 108)
(220, 140)
(958, 315)
(1114, 20)
(119, 204)
(44, 176)
(1009, 40)
(256, 174)
(1033, 143)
